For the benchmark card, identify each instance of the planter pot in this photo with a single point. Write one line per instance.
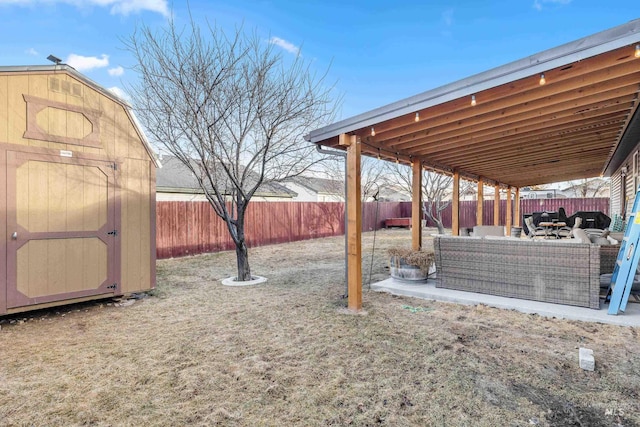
(400, 270)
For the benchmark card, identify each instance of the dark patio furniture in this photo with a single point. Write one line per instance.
(590, 219)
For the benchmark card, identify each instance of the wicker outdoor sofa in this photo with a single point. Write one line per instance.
(542, 270)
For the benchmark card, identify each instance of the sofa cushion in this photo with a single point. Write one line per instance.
(581, 235)
(488, 230)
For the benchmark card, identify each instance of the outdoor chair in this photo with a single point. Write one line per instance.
(568, 231)
(534, 231)
(597, 232)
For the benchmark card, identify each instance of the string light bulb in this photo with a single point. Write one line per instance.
(542, 79)
(473, 100)
(378, 153)
(373, 131)
(637, 54)
(397, 161)
(417, 119)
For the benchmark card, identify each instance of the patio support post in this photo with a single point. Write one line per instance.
(516, 200)
(455, 205)
(480, 202)
(416, 206)
(496, 206)
(509, 220)
(354, 218)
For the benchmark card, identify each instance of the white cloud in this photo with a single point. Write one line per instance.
(125, 7)
(289, 47)
(31, 51)
(447, 17)
(539, 4)
(117, 7)
(120, 93)
(115, 72)
(87, 63)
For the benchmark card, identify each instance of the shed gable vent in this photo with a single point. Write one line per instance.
(54, 84)
(65, 86)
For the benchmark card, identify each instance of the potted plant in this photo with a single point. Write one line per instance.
(410, 265)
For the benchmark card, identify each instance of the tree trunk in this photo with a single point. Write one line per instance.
(242, 252)
(437, 221)
(242, 257)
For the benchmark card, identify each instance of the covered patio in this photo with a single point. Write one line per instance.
(567, 113)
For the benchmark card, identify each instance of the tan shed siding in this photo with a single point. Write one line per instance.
(4, 105)
(136, 226)
(38, 86)
(108, 126)
(17, 113)
(122, 123)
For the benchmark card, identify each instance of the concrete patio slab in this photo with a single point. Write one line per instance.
(631, 317)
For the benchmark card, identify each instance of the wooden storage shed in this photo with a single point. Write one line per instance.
(77, 191)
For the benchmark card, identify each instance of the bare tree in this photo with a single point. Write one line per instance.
(436, 190)
(231, 109)
(587, 187)
(372, 176)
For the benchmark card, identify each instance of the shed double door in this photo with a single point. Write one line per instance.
(61, 222)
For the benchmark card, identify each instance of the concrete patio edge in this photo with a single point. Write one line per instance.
(631, 317)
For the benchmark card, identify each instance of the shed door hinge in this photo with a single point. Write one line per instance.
(114, 286)
(113, 233)
(114, 166)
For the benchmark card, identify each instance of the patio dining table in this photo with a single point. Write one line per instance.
(550, 227)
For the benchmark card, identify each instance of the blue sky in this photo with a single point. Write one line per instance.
(379, 51)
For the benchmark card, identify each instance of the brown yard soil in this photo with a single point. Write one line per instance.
(288, 353)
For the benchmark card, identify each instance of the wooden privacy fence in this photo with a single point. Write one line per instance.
(189, 228)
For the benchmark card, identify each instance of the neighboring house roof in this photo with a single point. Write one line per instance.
(175, 177)
(391, 194)
(320, 185)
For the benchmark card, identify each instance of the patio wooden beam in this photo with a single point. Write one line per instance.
(545, 107)
(528, 157)
(480, 202)
(513, 153)
(354, 219)
(539, 164)
(455, 205)
(540, 170)
(582, 73)
(496, 205)
(416, 206)
(554, 131)
(517, 202)
(550, 128)
(509, 218)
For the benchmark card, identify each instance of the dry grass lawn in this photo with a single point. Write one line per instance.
(287, 353)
